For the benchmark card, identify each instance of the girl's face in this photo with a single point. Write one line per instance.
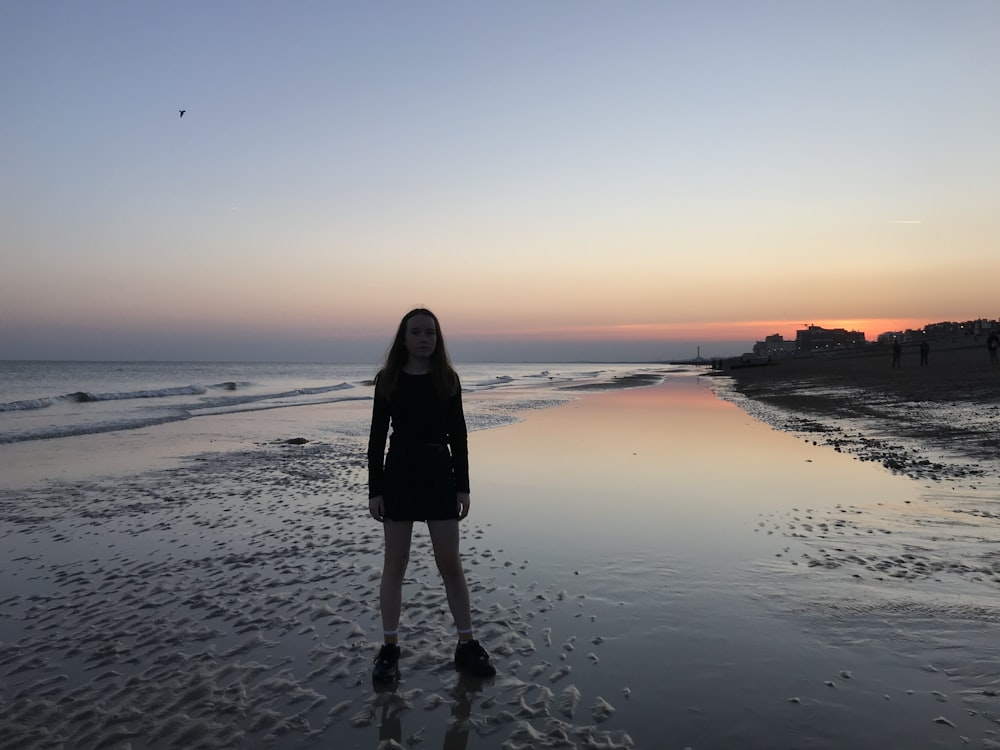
(421, 337)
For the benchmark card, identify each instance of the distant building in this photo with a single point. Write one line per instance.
(946, 331)
(979, 327)
(817, 338)
(774, 346)
(888, 337)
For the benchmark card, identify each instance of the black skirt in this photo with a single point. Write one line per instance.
(419, 483)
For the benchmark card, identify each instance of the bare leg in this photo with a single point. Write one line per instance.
(444, 537)
(397, 555)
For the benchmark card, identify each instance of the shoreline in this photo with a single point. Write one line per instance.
(937, 422)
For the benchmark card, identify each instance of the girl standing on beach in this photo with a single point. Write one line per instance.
(418, 392)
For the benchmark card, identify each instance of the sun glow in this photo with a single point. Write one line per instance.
(705, 331)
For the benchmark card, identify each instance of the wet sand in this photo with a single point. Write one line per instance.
(649, 567)
(939, 421)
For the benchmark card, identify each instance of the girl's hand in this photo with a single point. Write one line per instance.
(463, 505)
(376, 506)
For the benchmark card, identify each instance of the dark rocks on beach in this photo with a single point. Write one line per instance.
(296, 441)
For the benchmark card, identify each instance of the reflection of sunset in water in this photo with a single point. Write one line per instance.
(747, 564)
(688, 466)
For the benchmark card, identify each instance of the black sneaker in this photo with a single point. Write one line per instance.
(386, 664)
(472, 659)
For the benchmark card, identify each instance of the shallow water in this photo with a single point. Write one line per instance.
(56, 400)
(682, 518)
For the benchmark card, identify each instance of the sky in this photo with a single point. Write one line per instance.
(558, 180)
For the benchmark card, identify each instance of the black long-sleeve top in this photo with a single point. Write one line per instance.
(418, 416)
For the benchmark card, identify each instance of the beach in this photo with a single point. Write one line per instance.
(652, 565)
(947, 411)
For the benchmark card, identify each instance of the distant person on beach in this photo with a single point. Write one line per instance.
(417, 391)
(897, 352)
(925, 350)
(992, 345)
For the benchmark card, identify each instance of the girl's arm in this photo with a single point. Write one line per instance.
(458, 442)
(376, 445)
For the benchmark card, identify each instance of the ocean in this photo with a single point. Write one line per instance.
(45, 400)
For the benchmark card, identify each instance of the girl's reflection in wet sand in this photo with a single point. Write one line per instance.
(390, 728)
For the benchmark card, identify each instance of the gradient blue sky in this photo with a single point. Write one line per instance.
(557, 180)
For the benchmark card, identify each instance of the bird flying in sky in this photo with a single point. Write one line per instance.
(182, 112)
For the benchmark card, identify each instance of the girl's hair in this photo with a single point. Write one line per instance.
(445, 378)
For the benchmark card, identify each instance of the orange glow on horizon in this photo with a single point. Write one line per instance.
(755, 330)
